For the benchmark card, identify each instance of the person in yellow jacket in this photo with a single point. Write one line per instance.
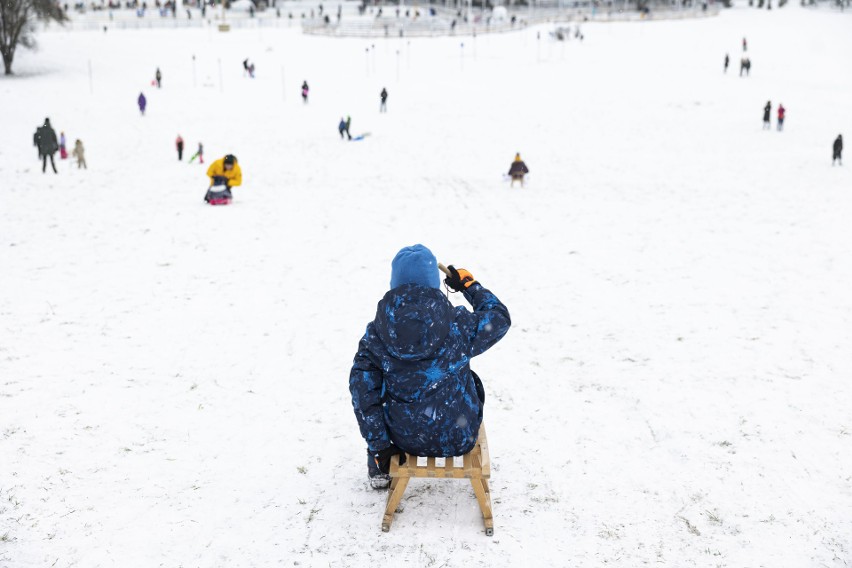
(224, 174)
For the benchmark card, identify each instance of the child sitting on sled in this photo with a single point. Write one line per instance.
(411, 383)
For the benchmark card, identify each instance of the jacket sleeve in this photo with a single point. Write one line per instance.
(366, 386)
(488, 322)
(238, 176)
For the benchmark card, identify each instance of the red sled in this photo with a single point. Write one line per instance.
(220, 201)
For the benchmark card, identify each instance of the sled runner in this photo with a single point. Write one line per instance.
(475, 465)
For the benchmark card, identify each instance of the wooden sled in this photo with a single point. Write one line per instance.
(475, 465)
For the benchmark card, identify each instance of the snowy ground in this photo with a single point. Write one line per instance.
(676, 387)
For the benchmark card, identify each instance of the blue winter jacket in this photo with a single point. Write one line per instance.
(411, 382)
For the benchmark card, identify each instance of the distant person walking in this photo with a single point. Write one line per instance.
(341, 127)
(159, 78)
(305, 90)
(781, 114)
(199, 154)
(767, 111)
(745, 45)
(348, 124)
(384, 96)
(80, 153)
(63, 153)
(45, 139)
(518, 170)
(179, 144)
(727, 61)
(837, 150)
(142, 102)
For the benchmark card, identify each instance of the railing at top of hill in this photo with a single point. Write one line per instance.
(432, 26)
(352, 25)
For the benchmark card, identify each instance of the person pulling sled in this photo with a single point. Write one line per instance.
(224, 174)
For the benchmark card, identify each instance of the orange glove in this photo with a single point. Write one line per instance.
(458, 280)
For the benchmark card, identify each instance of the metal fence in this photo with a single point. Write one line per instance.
(443, 25)
(352, 25)
(97, 22)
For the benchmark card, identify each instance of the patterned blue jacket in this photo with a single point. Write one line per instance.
(411, 382)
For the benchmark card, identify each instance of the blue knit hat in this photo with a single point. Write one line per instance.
(415, 265)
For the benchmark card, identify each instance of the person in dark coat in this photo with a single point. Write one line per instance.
(179, 145)
(384, 96)
(727, 61)
(411, 383)
(837, 150)
(159, 77)
(346, 126)
(142, 102)
(518, 170)
(48, 145)
(767, 110)
(341, 127)
(305, 91)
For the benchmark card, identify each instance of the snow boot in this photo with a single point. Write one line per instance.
(378, 480)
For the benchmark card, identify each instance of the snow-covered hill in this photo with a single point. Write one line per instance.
(675, 389)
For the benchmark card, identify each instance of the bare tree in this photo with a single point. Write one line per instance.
(17, 24)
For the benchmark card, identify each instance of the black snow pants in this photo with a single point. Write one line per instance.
(44, 163)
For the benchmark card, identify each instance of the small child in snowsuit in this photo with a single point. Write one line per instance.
(518, 170)
(411, 383)
(80, 153)
(199, 154)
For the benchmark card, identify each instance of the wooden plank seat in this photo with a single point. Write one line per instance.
(475, 465)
